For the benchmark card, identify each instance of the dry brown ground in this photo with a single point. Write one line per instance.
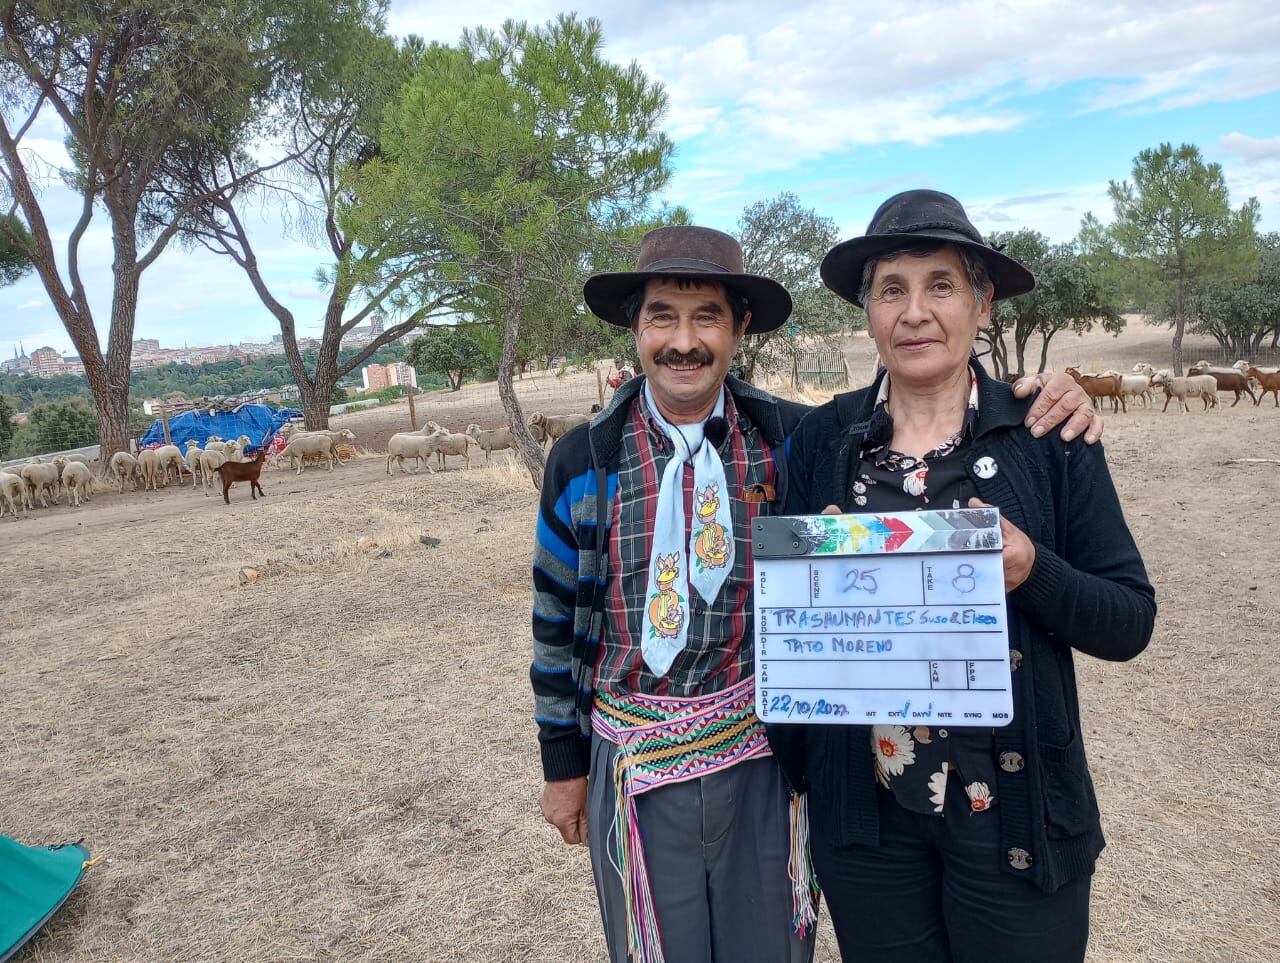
(337, 762)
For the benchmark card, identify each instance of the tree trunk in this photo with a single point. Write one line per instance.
(527, 450)
(316, 398)
(999, 356)
(113, 422)
(1180, 315)
(1044, 353)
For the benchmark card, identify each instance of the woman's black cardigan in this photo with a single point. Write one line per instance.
(1088, 590)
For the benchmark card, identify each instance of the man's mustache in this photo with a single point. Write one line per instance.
(697, 356)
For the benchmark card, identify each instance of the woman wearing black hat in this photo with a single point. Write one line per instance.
(954, 844)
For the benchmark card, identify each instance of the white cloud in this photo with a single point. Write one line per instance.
(1250, 149)
(33, 303)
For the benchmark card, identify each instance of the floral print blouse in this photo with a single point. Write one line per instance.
(914, 763)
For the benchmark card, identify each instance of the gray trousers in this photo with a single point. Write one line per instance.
(717, 850)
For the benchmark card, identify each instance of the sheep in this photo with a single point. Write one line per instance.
(77, 479)
(303, 445)
(1143, 368)
(1203, 387)
(553, 427)
(236, 471)
(1227, 379)
(193, 461)
(40, 477)
(148, 465)
(447, 443)
(214, 443)
(338, 436)
(233, 451)
(13, 492)
(1099, 386)
(1268, 383)
(210, 461)
(410, 444)
(168, 456)
(499, 439)
(1133, 386)
(124, 467)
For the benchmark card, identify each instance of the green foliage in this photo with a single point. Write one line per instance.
(7, 427)
(523, 155)
(1240, 317)
(338, 395)
(64, 424)
(1174, 231)
(458, 352)
(15, 241)
(786, 242)
(1067, 296)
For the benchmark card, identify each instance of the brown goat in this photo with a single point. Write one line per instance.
(1229, 379)
(1101, 386)
(1270, 382)
(236, 471)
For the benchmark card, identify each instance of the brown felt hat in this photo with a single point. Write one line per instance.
(690, 252)
(919, 216)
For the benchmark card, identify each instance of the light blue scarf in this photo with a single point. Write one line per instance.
(708, 547)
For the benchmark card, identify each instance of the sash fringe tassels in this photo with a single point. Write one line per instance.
(804, 884)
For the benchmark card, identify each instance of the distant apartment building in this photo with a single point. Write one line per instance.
(388, 375)
(141, 345)
(45, 362)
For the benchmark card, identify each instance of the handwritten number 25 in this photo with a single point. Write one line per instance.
(862, 581)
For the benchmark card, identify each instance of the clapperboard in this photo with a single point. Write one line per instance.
(872, 619)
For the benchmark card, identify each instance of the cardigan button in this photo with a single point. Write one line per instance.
(1012, 761)
(1015, 660)
(1019, 858)
(985, 467)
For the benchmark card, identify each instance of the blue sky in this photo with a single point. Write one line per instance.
(1023, 110)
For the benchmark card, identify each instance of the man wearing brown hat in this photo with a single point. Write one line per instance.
(643, 648)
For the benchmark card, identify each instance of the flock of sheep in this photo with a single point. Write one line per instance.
(43, 483)
(433, 439)
(1202, 381)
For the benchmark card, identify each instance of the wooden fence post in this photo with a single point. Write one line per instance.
(413, 411)
(164, 423)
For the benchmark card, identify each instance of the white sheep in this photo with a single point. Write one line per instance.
(39, 478)
(77, 479)
(13, 492)
(1204, 387)
(498, 439)
(302, 445)
(553, 427)
(124, 467)
(193, 461)
(1133, 386)
(447, 443)
(337, 436)
(148, 468)
(233, 451)
(210, 460)
(410, 444)
(214, 443)
(168, 456)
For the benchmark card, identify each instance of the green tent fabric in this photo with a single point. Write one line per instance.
(34, 882)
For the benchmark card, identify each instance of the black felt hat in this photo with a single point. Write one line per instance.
(692, 252)
(914, 216)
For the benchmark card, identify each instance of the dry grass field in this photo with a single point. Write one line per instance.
(337, 761)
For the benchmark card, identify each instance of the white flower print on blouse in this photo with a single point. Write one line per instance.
(980, 798)
(938, 788)
(913, 482)
(894, 751)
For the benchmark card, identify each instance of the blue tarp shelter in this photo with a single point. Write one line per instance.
(259, 422)
(34, 883)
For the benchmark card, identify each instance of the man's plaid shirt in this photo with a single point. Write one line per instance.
(720, 648)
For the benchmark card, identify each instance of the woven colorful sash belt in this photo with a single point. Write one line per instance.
(663, 740)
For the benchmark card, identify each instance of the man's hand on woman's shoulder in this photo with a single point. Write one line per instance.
(1060, 402)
